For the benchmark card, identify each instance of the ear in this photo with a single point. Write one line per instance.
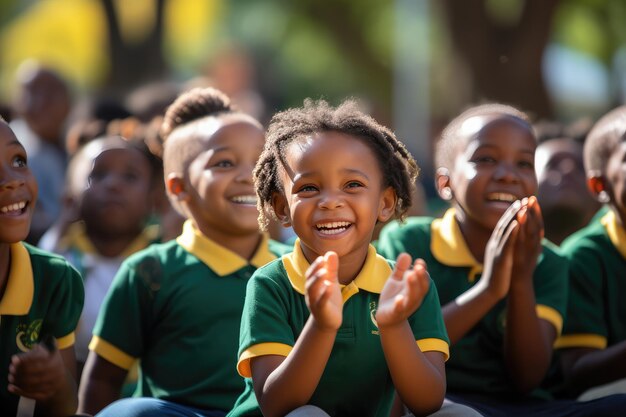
(387, 206)
(442, 182)
(281, 208)
(598, 186)
(175, 186)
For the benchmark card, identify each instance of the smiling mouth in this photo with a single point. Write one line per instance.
(502, 197)
(333, 228)
(249, 200)
(14, 209)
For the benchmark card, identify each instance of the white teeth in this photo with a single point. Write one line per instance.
(13, 207)
(509, 198)
(244, 199)
(332, 228)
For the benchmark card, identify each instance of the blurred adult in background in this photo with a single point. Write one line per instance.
(566, 202)
(41, 108)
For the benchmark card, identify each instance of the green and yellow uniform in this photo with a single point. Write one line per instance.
(596, 310)
(356, 380)
(177, 307)
(476, 362)
(43, 296)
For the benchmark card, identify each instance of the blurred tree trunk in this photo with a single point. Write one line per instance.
(134, 64)
(504, 60)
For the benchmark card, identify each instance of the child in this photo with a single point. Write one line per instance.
(111, 182)
(594, 337)
(566, 203)
(41, 297)
(177, 306)
(330, 328)
(503, 288)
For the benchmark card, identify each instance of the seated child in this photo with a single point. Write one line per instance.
(110, 183)
(333, 328)
(176, 306)
(593, 344)
(41, 297)
(503, 287)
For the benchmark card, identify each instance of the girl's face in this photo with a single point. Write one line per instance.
(333, 194)
(18, 188)
(494, 168)
(218, 186)
(616, 178)
(117, 198)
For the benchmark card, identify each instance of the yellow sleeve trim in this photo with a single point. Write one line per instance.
(111, 353)
(431, 344)
(66, 341)
(588, 340)
(551, 315)
(262, 349)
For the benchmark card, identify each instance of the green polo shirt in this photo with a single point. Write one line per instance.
(476, 362)
(356, 380)
(177, 307)
(596, 311)
(43, 295)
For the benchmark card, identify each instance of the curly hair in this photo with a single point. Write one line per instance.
(604, 137)
(449, 140)
(397, 165)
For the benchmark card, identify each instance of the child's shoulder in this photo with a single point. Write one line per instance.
(43, 259)
(592, 237)
(419, 224)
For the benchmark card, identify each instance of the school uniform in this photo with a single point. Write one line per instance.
(596, 309)
(356, 380)
(43, 296)
(476, 362)
(177, 307)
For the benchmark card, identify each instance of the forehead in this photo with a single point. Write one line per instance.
(559, 148)
(221, 129)
(499, 131)
(6, 134)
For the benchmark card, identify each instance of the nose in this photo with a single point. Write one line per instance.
(330, 200)
(244, 174)
(10, 181)
(506, 172)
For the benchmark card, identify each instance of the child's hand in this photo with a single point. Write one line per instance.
(528, 245)
(498, 263)
(323, 294)
(37, 374)
(403, 292)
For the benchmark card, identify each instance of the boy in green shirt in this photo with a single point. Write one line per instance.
(176, 306)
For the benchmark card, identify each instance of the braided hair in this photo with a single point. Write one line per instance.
(397, 165)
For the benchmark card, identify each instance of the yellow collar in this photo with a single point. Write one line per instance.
(221, 260)
(371, 278)
(18, 295)
(76, 236)
(616, 233)
(449, 247)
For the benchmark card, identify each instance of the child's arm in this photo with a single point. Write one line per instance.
(419, 377)
(47, 375)
(527, 363)
(284, 384)
(100, 385)
(462, 314)
(584, 368)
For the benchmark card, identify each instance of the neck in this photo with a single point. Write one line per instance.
(475, 235)
(350, 266)
(243, 245)
(5, 263)
(111, 246)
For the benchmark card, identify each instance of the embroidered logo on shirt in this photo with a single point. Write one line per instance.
(373, 317)
(28, 335)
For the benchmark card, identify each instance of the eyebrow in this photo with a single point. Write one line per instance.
(345, 170)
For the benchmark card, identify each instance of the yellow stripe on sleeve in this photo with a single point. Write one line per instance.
(551, 315)
(262, 349)
(583, 340)
(66, 341)
(111, 353)
(433, 344)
